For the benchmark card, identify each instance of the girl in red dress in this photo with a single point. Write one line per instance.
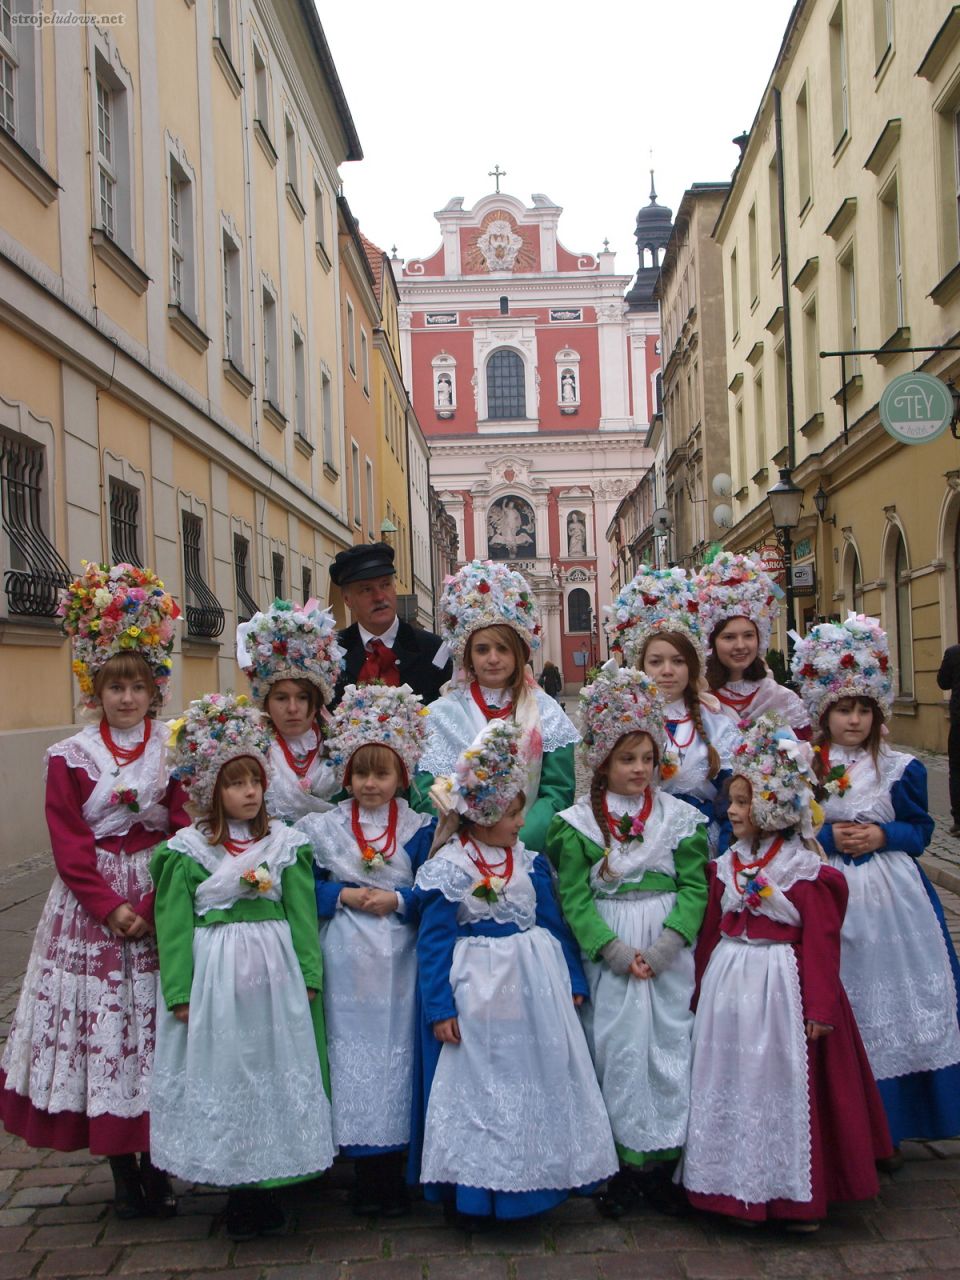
(76, 1069)
(785, 1115)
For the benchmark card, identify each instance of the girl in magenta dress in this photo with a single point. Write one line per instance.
(76, 1069)
(785, 1115)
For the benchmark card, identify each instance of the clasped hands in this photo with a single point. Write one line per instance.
(375, 902)
(856, 838)
(123, 922)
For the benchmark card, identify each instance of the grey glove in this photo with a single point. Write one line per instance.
(665, 950)
(617, 956)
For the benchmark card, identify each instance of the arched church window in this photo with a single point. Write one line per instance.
(506, 397)
(578, 610)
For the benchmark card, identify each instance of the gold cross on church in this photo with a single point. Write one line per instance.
(497, 173)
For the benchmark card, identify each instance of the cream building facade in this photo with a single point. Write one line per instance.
(169, 333)
(870, 108)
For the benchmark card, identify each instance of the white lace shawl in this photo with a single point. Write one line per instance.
(768, 696)
(691, 777)
(794, 862)
(289, 798)
(334, 845)
(224, 887)
(452, 872)
(455, 720)
(869, 798)
(149, 776)
(671, 820)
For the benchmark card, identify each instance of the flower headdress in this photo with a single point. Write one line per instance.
(215, 729)
(779, 769)
(621, 700)
(113, 609)
(656, 600)
(290, 642)
(482, 594)
(734, 586)
(843, 660)
(377, 713)
(490, 773)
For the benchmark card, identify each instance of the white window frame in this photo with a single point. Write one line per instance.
(20, 53)
(181, 206)
(351, 338)
(356, 484)
(368, 477)
(106, 169)
(110, 72)
(319, 216)
(300, 416)
(261, 88)
(271, 344)
(290, 152)
(232, 284)
(223, 19)
(326, 413)
(364, 361)
(847, 298)
(9, 69)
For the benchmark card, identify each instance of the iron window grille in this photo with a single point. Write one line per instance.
(204, 612)
(37, 571)
(246, 605)
(506, 395)
(124, 523)
(278, 568)
(306, 583)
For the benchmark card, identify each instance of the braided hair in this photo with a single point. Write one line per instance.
(691, 694)
(600, 784)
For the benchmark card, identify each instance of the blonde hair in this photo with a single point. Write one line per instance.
(691, 694)
(521, 656)
(215, 825)
(373, 756)
(125, 666)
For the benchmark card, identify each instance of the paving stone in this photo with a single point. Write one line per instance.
(326, 1271)
(942, 1253)
(931, 1194)
(74, 1235)
(916, 1151)
(186, 1255)
(66, 1264)
(880, 1259)
(70, 1158)
(947, 1148)
(601, 1237)
(720, 1266)
(272, 1250)
(8, 1177)
(800, 1261)
(472, 1268)
(96, 1193)
(555, 1266)
(15, 1217)
(509, 1238)
(37, 1197)
(143, 1230)
(344, 1245)
(631, 1266)
(41, 1177)
(385, 1269)
(15, 1265)
(927, 1170)
(425, 1241)
(11, 1238)
(98, 1172)
(17, 1158)
(235, 1273)
(61, 1213)
(914, 1224)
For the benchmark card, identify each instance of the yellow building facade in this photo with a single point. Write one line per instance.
(869, 97)
(169, 334)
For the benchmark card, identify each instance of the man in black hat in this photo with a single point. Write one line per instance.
(379, 646)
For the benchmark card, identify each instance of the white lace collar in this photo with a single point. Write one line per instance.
(302, 744)
(619, 805)
(496, 697)
(128, 738)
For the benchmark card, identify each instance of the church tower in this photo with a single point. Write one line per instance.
(654, 225)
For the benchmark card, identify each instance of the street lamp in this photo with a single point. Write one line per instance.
(786, 501)
(387, 527)
(820, 502)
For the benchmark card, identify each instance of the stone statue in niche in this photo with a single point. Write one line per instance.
(444, 391)
(576, 534)
(568, 387)
(511, 530)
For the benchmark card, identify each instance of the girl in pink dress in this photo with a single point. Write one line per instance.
(76, 1069)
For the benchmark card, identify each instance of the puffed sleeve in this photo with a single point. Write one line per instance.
(709, 929)
(822, 904)
(74, 848)
(550, 917)
(176, 878)
(557, 786)
(912, 826)
(419, 795)
(690, 862)
(418, 850)
(436, 939)
(300, 908)
(568, 852)
(176, 801)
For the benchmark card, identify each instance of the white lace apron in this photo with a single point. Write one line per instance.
(639, 1030)
(894, 962)
(515, 1106)
(455, 720)
(370, 981)
(82, 1038)
(767, 696)
(289, 797)
(749, 1130)
(237, 1092)
(691, 776)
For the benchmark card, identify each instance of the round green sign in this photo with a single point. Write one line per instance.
(916, 408)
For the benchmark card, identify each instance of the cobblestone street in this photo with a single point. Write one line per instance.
(55, 1220)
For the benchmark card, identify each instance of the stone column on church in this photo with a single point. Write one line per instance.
(552, 648)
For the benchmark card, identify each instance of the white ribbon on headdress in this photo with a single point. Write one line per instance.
(244, 660)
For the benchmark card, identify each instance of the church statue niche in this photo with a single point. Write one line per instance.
(576, 534)
(511, 530)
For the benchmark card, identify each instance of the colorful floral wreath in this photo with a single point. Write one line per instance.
(490, 773)
(215, 729)
(656, 600)
(843, 660)
(621, 700)
(290, 642)
(734, 586)
(113, 609)
(779, 769)
(485, 594)
(377, 713)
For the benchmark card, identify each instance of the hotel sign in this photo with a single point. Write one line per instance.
(916, 408)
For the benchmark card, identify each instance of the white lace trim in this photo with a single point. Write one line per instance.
(455, 720)
(769, 696)
(149, 776)
(224, 887)
(794, 863)
(288, 797)
(452, 872)
(671, 820)
(335, 847)
(869, 798)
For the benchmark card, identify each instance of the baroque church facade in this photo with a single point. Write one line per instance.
(535, 381)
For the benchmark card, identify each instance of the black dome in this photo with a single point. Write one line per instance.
(653, 231)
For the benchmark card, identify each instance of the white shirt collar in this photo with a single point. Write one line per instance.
(388, 637)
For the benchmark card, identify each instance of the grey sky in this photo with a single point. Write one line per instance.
(568, 96)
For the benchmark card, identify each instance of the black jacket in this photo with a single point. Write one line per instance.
(948, 677)
(414, 649)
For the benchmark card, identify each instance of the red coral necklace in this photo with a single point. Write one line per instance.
(614, 822)
(503, 869)
(386, 842)
(490, 713)
(125, 755)
(299, 764)
(753, 867)
(739, 702)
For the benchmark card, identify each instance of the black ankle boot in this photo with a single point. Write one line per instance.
(660, 1191)
(157, 1191)
(366, 1197)
(270, 1215)
(621, 1195)
(241, 1219)
(128, 1199)
(394, 1197)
